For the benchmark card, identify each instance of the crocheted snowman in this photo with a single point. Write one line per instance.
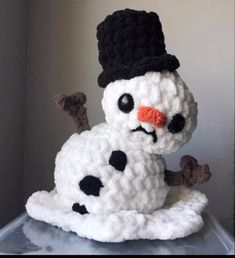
(111, 182)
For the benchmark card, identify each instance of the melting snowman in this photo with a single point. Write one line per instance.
(111, 182)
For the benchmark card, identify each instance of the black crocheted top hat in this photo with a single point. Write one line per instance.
(130, 44)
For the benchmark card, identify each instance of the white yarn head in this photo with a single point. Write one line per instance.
(163, 91)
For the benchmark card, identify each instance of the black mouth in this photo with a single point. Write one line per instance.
(141, 129)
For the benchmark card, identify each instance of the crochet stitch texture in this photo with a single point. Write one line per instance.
(130, 44)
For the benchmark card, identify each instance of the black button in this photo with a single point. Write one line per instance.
(79, 208)
(118, 160)
(91, 185)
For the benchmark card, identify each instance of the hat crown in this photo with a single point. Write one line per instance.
(130, 44)
(127, 36)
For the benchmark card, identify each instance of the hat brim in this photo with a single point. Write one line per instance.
(147, 64)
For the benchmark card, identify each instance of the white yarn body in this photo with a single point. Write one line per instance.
(134, 202)
(139, 187)
(164, 91)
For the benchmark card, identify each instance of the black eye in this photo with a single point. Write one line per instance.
(126, 103)
(176, 124)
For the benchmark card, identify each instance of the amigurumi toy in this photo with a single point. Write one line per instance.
(111, 182)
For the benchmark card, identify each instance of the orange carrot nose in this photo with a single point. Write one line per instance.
(152, 116)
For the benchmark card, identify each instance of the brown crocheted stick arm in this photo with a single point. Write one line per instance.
(74, 106)
(191, 173)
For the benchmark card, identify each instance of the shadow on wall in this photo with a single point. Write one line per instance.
(13, 28)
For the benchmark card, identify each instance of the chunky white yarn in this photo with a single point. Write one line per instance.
(130, 202)
(139, 187)
(164, 91)
(179, 217)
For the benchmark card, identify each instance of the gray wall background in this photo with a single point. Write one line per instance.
(62, 56)
(13, 29)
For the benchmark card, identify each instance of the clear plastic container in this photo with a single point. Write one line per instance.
(25, 235)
